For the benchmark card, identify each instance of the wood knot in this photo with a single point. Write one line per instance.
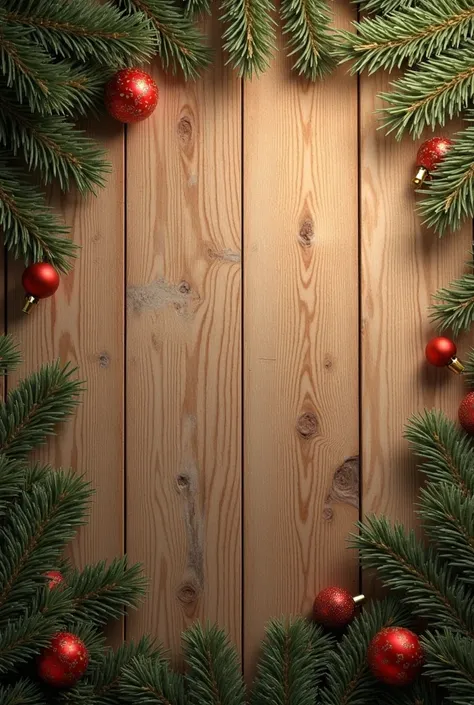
(307, 425)
(328, 514)
(345, 483)
(185, 131)
(184, 288)
(328, 363)
(187, 593)
(182, 482)
(104, 360)
(306, 234)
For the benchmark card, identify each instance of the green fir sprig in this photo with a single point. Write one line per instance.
(249, 36)
(310, 43)
(454, 305)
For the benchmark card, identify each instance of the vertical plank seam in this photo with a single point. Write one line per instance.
(359, 287)
(124, 402)
(242, 376)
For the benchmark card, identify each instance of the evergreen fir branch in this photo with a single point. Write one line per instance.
(410, 34)
(450, 662)
(422, 692)
(32, 410)
(23, 692)
(108, 673)
(307, 23)
(449, 522)
(9, 350)
(418, 576)
(349, 680)
(150, 681)
(439, 89)
(447, 452)
(34, 535)
(384, 7)
(213, 667)
(85, 31)
(249, 36)
(101, 592)
(294, 657)
(179, 43)
(52, 145)
(197, 7)
(84, 85)
(31, 231)
(12, 480)
(455, 307)
(449, 196)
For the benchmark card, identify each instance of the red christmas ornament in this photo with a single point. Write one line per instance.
(40, 280)
(430, 154)
(395, 656)
(131, 95)
(55, 578)
(334, 607)
(466, 413)
(441, 352)
(64, 661)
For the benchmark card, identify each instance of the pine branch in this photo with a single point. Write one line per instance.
(84, 30)
(30, 229)
(249, 36)
(12, 480)
(101, 592)
(420, 578)
(192, 8)
(294, 657)
(422, 692)
(23, 692)
(448, 517)
(439, 89)
(9, 351)
(447, 452)
(150, 681)
(179, 43)
(450, 663)
(213, 667)
(455, 307)
(32, 410)
(410, 35)
(52, 145)
(349, 680)
(449, 198)
(34, 535)
(385, 6)
(307, 23)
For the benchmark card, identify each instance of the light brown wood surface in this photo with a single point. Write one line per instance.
(183, 355)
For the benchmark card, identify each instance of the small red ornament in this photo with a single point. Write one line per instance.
(430, 154)
(39, 280)
(55, 578)
(441, 352)
(395, 656)
(466, 413)
(334, 607)
(64, 661)
(131, 95)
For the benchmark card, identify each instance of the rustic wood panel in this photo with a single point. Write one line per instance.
(402, 266)
(301, 426)
(183, 354)
(83, 323)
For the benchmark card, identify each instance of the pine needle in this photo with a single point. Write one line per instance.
(249, 36)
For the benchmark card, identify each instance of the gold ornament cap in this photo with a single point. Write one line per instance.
(358, 599)
(456, 366)
(29, 303)
(420, 176)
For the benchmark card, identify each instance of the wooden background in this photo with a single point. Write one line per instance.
(249, 311)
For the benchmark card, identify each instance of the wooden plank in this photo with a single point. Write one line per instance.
(83, 323)
(183, 354)
(301, 427)
(402, 266)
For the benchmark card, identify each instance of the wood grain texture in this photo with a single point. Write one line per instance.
(301, 427)
(183, 354)
(83, 324)
(402, 266)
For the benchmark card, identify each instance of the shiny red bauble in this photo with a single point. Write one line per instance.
(40, 280)
(429, 156)
(64, 661)
(395, 656)
(131, 95)
(334, 607)
(441, 352)
(55, 578)
(466, 413)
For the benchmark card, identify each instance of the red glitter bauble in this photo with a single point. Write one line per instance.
(55, 578)
(466, 413)
(440, 351)
(64, 661)
(131, 95)
(432, 152)
(40, 280)
(334, 608)
(395, 656)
